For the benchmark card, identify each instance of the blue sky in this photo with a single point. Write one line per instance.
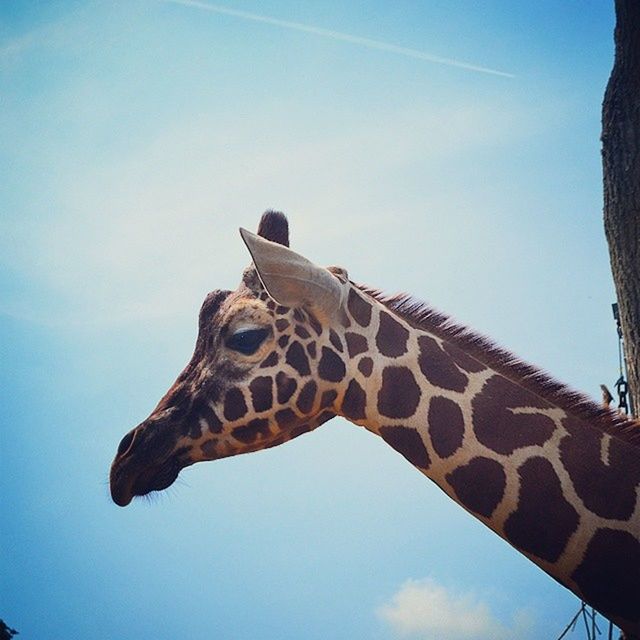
(135, 138)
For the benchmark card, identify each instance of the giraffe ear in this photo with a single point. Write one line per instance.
(292, 280)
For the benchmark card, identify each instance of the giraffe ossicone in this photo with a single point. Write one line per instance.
(296, 344)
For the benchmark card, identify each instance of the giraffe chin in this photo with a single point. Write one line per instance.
(156, 478)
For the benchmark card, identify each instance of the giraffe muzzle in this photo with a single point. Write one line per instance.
(126, 485)
(144, 464)
(121, 492)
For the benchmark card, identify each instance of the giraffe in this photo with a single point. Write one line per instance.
(296, 344)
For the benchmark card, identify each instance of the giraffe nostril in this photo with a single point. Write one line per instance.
(126, 442)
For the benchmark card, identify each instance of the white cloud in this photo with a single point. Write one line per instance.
(426, 610)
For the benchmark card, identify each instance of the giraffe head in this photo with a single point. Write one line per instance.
(269, 364)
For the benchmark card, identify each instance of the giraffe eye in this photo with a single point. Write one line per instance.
(247, 341)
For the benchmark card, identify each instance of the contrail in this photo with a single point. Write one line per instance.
(338, 35)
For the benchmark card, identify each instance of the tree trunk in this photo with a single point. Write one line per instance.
(621, 169)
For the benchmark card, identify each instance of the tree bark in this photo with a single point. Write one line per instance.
(621, 171)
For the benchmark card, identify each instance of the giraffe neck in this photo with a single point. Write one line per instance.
(559, 488)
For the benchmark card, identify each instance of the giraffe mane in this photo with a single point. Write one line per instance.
(421, 316)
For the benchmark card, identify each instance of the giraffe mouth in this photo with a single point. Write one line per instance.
(126, 486)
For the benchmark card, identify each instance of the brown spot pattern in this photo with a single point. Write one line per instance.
(282, 324)
(544, 520)
(285, 386)
(354, 402)
(331, 367)
(283, 341)
(311, 350)
(359, 309)
(234, 405)
(462, 359)
(307, 396)
(344, 319)
(607, 490)
(408, 442)
(297, 358)
(446, 426)
(438, 368)
(365, 366)
(328, 398)
(250, 432)
(392, 337)
(285, 417)
(399, 394)
(356, 344)
(211, 306)
(315, 325)
(301, 332)
(270, 361)
(261, 393)
(502, 430)
(479, 485)
(334, 338)
(192, 428)
(209, 415)
(209, 448)
(609, 574)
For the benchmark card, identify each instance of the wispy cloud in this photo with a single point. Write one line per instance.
(65, 32)
(424, 609)
(141, 235)
(338, 35)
